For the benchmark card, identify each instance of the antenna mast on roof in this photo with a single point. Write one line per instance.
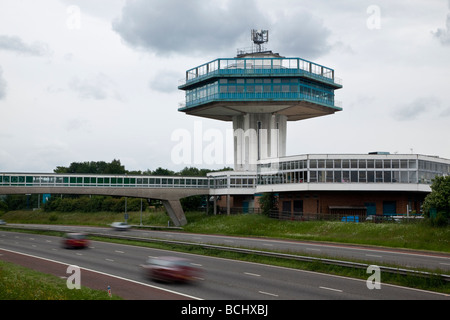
(259, 37)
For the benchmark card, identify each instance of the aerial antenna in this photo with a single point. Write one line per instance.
(259, 37)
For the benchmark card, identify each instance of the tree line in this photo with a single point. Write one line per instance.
(115, 167)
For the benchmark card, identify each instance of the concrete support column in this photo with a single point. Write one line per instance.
(258, 136)
(175, 212)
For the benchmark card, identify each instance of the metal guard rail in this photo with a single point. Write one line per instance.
(103, 181)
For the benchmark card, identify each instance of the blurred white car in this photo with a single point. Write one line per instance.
(2, 222)
(120, 226)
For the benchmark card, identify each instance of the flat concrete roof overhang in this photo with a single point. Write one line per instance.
(293, 110)
(150, 193)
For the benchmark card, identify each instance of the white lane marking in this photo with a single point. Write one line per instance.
(373, 255)
(252, 274)
(326, 288)
(268, 293)
(118, 251)
(196, 264)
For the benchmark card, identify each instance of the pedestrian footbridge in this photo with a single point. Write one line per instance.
(168, 189)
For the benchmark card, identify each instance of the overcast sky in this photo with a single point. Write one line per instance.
(97, 80)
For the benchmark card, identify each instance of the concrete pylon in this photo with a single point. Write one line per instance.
(175, 212)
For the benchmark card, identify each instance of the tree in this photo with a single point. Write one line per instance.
(94, 167)
(268, 202)
(439, 199)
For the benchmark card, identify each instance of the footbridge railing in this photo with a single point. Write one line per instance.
(168, 189)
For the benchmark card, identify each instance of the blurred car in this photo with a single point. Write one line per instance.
(171, 269)
(75, 240)
(2, 222)
(120, 226)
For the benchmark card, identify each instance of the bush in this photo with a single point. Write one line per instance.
(93, 204)
(441, 220)
(268, 203)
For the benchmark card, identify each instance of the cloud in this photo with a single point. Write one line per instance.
(420, 107)
(98, 88)
(2, 85)
(444, 34)
(193, 26)
(165, 81)
(16, 44)
(301, 33)
(203, 27)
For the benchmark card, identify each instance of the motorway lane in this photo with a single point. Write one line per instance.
(373, 255)
(222, 279)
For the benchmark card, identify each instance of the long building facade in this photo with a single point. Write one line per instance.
(376, 183)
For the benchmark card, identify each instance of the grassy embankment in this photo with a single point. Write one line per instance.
(19, 283)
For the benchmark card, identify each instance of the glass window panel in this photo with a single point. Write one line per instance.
(404, 176)
(354, 176)
(404, 164)
(337, 163)
(321, 163)
(395, 176)
(313, 176)
(346, 163)
(346, 176)
(362, 176)
(329, 164)
(379, 176)
(370, 176)
(395, 163)
(362, 163)
(329, 176)
(337, 176)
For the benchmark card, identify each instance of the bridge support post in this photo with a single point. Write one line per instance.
(175, 211)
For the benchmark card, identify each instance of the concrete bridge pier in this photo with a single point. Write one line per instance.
(175, 212)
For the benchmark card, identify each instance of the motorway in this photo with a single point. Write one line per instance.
(433, 261)
(222, 279)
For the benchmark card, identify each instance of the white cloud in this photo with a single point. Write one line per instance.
(443, 34)
(17, 45)
(100, 87)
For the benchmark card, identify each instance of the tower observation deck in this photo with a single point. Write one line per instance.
(259, 92)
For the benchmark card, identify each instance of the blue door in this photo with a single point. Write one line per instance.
(389, 208)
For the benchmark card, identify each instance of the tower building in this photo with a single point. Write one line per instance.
(259, 92)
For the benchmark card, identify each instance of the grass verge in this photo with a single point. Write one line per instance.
(20, 283)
